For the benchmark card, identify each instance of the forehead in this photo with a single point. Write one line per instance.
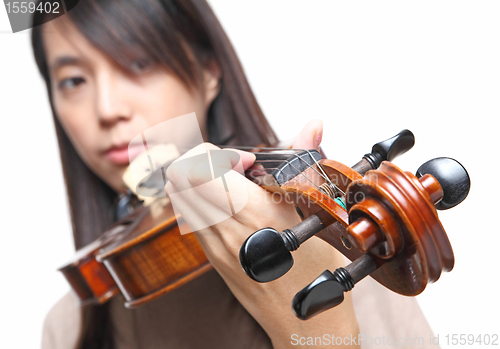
(62, 39)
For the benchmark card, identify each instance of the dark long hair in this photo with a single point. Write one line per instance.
(160, 29)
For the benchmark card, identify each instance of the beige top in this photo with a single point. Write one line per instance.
(205, 314)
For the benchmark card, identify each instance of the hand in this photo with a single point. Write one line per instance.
(202, 201)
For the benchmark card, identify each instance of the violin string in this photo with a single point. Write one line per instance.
(325, 175)
(259, 150)
(294, 152)
(302, 172)
(298, 171)
(322, 175)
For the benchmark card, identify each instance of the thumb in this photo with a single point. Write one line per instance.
(310, 136)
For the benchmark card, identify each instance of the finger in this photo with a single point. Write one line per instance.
(216, 163)
(247, 158)
(204, 170)
(247, 202)
(177, 171)
(198, 211)
(310, 137)
(223, 187)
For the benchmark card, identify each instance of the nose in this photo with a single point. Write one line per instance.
(112, 103)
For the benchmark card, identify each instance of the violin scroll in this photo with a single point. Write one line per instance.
(376, 221)
(384, 225)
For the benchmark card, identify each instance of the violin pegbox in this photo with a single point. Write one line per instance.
(317, 188)
(383, 220)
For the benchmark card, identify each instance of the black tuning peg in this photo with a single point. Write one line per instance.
(327, 291)
(265, 255)
(386, 150)
(393, 147)
(452, 177)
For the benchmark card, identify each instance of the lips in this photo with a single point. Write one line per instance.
(122, 155)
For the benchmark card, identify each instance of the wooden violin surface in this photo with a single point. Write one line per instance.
(90, 279)
(154, 258)
(142, 256)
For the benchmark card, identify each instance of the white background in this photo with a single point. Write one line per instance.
(367, 68)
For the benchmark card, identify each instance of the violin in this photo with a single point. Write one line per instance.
(380, 217)
(144, 256)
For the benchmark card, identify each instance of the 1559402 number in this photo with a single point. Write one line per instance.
(31, 7)
(471, 339)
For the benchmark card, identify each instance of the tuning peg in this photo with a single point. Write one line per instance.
(327, 291)
(453, 178)
(265, 255)
(386, 150)
(393, 147)
(322, 294)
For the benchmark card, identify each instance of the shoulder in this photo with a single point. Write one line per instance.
(61, 328)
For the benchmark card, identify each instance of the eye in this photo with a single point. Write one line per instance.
(70, 83)
(142, 65)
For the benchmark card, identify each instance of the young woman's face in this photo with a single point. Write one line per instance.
(102, 107)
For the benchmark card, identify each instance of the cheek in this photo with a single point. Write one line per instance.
(76, 121)
(168, 98)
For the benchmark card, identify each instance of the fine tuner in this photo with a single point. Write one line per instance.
(382, 218)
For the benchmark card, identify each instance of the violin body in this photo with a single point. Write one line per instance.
(143, 256)
(90, 280)
(154, 258)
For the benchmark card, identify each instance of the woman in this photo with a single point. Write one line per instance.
(115, 68)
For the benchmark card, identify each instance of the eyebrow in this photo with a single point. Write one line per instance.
(65, 61)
